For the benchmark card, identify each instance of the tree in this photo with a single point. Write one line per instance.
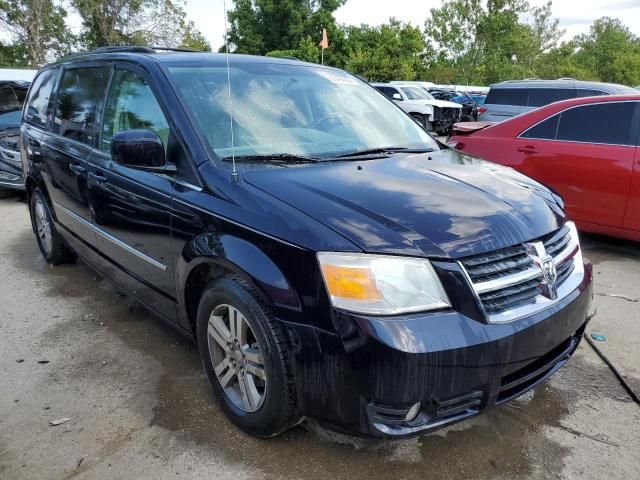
(483, 43)
(610, 51)
(136, 22)
(194, 40)
(389, 52)
(262, 26)
(37, 28)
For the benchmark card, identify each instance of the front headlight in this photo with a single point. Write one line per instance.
(381, 284)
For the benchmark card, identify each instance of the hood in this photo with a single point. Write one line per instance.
(443, 104)
(444, 204)
(435, 103)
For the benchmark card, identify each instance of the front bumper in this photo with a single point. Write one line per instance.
(11, 175)
(365, 378)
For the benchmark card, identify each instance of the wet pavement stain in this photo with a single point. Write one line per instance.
(597, 248)
(505, 442)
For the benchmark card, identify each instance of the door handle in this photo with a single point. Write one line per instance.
(34, 151)
(77, 168)
(97, 177)
(528, 149)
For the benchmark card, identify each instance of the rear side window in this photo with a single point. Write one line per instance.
(545, 130)
(609, 123)
(132, 105)
(507, 96)
(78, 97)
(588, 92)
(39, 106)
(539, 97)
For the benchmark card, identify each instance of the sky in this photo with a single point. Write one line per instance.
(575, 15)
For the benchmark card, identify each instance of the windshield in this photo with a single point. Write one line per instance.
(415, 93)
(281, 109)
(11, 100)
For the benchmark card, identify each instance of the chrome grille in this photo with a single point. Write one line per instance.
(510, 282)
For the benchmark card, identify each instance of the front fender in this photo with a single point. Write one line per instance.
(241, 257)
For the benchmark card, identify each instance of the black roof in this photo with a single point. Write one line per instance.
(170, 55)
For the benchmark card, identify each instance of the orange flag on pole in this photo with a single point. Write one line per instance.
(325, 40)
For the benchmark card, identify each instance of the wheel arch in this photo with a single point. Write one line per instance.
(209, 257)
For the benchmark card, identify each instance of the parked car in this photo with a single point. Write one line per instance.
(329, 259)
(513, 97)
(469, 108)
(434, 115)
(479, 98)
(585, 149)
(12, 96)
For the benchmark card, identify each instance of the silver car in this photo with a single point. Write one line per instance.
(513, 97)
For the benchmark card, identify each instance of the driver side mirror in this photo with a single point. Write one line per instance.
(140, 149)
(397, 96)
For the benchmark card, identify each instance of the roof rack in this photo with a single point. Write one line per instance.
(138, 49)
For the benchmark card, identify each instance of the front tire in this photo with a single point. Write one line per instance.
(246, 358)
(52, 246)
(420, 119)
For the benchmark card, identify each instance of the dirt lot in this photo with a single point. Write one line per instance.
(140, 407)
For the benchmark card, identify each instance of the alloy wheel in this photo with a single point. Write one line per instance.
(43, 226)
(237, 358)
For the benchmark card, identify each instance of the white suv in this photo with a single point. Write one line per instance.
(435, 115)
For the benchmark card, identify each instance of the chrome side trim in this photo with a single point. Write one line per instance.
(112, 239)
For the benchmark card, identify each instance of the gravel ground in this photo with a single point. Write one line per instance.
(139, 406)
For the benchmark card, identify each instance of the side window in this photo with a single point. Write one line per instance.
(132, 105)
(539, 97)
(545, 130)
(78, 96)
(609, 123)
(392, 92)
(38, 105)
(507, 96)
(589, 92)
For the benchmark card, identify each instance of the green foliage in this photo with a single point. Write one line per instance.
(463, 41)
(610, 51)
(194, 40)
(37, 29)
(487, 42)
(391, 51)
(307, 51)
(137, 22)
(261, 26)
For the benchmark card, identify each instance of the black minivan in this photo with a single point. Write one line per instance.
(328, 256)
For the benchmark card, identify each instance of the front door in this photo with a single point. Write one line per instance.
(131, 208)
(68, 147)
(586, 154)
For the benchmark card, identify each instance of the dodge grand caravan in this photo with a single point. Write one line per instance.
(329, 258)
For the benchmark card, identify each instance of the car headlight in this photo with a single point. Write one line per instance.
(381, 284)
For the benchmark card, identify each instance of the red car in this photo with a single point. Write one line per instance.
(586, 149)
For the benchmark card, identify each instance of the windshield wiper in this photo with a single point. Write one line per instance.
(382, 151)
(273, 158)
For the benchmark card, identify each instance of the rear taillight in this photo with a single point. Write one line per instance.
(481, 110)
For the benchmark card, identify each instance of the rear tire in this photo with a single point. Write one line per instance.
(245, 355)
(52, 246)
(467, 118)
